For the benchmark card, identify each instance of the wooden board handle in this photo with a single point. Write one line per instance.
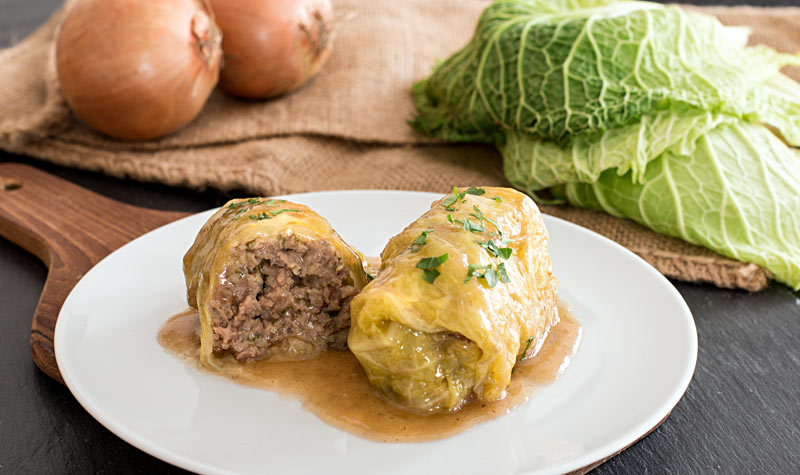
(70, 229)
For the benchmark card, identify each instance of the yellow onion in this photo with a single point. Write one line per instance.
(135, 69)
(272, 46)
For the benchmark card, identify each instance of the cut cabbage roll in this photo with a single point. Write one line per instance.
(271, 279)
(464, 293)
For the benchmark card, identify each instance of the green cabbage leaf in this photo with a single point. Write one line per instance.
(642, 110)
(738, 193)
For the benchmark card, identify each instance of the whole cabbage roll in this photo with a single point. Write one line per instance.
(464, 292)
(271, 279)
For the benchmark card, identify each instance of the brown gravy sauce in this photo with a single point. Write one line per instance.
(335, 388)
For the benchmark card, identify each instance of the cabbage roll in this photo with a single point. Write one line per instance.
(271, 279)
(463, 294)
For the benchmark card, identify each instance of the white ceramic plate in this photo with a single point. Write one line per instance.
(637, 357)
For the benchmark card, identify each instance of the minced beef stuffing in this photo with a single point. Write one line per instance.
(276, 288)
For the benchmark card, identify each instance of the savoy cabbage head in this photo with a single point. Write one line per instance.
(643, 110)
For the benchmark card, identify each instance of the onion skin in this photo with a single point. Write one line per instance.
(272, 46)
(137, 70)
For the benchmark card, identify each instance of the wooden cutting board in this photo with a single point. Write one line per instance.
(70, 229)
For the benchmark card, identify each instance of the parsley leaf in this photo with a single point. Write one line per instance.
(490, 247)
(472, 271)
(501, 270)
(492, 277)
(259, 216)
(431, 262)
(472, 227)
(475, 191)
(493, 249)
(457, 221)
(429, 265)
(499, 231)
(499, 199)
(451, 200)
(277, 212)
(421, 240)
(527, 347)
(430, 275)
(482, 216)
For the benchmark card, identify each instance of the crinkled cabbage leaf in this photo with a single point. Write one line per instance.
(738, 193)
(605, 95)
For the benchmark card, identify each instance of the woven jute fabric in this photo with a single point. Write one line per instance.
(345, 129)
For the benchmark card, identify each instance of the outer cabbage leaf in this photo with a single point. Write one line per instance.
(737, 194)
(562, 74)
(533, 165)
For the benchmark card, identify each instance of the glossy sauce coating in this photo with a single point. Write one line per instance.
(335, 388)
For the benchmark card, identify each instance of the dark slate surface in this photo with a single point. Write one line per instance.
(741, 413)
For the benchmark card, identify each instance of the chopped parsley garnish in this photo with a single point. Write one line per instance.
(496, 251)
(492, 276)
(430, 275)
(429, 265)
(479, 214)
(432, 262)
(370, 277)
(239, 213)
(459, 195)
(499, 199)
(420, 241)
(527, 347)
(473, 271)
(241, 207)
(259, 216)
(501, 270)
(449, 202)
(499, 231)
(277, 212)
(472, 227)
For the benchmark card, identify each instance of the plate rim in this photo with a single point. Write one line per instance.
(582, 464)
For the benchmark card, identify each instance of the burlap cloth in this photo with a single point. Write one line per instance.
(345, 129)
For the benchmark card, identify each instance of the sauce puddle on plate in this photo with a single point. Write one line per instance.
(335, 388)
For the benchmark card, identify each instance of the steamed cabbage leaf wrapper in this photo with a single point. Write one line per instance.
(271, 279)
(463, 293)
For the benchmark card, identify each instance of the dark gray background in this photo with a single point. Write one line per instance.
(741, 413)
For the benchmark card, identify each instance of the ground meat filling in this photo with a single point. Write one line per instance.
(278, 292)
